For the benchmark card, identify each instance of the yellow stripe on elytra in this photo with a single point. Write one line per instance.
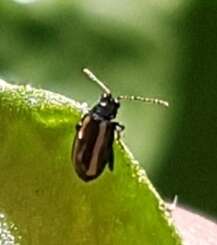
(96, 150)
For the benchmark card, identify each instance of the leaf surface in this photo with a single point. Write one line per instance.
(42, 201)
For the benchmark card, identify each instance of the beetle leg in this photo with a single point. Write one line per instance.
(111, 160)
(119, 129)
(78, 126)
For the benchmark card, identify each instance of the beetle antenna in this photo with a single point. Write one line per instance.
(92, 77)
(144, 99)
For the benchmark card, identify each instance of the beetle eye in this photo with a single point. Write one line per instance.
(117, 102)
(103, 103)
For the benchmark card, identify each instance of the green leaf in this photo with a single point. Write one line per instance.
(42, 201)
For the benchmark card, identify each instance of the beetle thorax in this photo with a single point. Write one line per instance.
(107, 107)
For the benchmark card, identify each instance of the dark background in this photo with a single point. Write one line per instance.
(166, 49)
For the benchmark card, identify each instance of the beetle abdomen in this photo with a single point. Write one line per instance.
(92, 147)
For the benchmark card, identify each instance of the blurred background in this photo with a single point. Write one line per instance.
(155, 48)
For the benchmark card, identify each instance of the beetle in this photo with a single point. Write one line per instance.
(93, 143)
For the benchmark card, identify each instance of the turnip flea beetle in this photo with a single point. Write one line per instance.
(92, 146)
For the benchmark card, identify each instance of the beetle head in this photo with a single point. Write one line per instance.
(107, 107)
